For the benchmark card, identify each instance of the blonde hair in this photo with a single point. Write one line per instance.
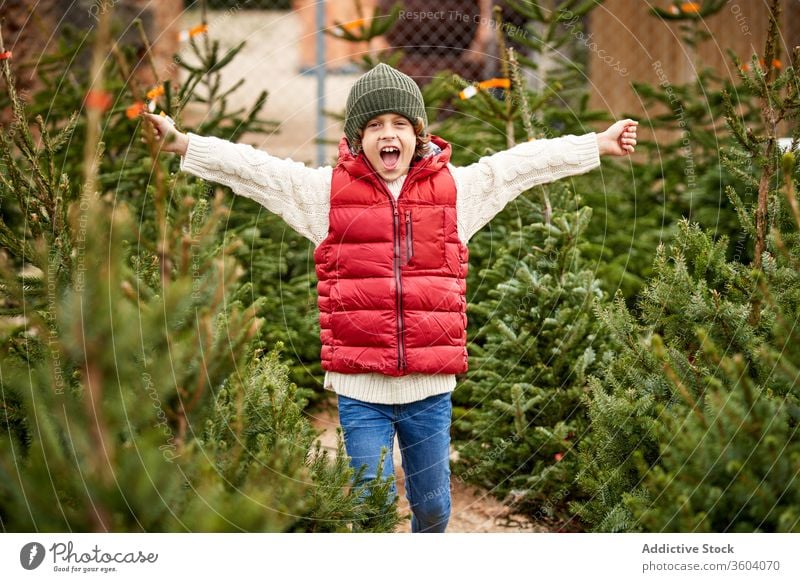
(423, 139)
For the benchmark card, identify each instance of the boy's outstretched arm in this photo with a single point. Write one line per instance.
(488, 185)
(298, 194)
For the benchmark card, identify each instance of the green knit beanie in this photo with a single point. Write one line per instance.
(381, 90)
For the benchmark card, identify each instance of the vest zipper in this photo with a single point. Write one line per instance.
(402, 362)
(401, 340)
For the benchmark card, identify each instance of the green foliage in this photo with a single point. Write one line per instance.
(278, 262)
(493, 121)
(280, 271)
(671, 417)
(695, 422)
(729, 466)
(529, 365)
(287, 283)
(681, 176)
(678, 174)
(246, 456)
(552, 46)
(117, 395)
(132, 393)
(691, 426)
(120, 399)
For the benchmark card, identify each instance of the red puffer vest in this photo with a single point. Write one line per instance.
(392, 273)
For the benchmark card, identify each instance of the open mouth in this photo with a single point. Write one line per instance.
(390, 156)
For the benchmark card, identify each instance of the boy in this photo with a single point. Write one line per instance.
(390, 223)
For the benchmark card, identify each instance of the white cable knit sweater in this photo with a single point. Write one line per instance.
(301, 196)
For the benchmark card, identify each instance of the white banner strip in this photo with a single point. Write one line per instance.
(335, 557)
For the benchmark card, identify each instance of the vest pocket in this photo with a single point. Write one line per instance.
(425, 237)
(409, 237)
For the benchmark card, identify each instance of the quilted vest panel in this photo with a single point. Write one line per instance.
(392, 273)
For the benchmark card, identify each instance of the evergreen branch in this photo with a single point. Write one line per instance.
(501, 49)
(530, 10)
(16, 104)
(148, 49)
(658, 347)
(519, 86)
(745, 217)
(787, 167)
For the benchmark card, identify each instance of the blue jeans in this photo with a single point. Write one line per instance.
(423, 431)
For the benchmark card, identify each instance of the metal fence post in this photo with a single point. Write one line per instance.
(321, 72)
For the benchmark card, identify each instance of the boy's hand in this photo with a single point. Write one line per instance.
(170, 139)
(619, 139)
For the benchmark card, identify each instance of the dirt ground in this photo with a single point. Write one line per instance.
(472, 510)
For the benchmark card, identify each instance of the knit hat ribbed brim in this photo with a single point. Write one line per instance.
(381, 90)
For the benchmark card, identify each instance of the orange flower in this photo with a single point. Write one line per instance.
(134, 110)
(558, 456)
(495, 83)
(155, 92)
(98, 99)
(776, 63)
(353, 25)
(199, 29)
(690, 8)
(192, 32)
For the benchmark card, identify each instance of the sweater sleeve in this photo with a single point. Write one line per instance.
(487, 186)
(298, 194)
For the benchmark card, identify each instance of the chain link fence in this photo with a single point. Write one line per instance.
(282, 56)
(293, 52)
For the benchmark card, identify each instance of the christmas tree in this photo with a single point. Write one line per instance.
(695, 422)
(526, 412)
(138, 392)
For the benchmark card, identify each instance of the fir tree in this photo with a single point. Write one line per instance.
(135, 390)
(525, 389)
(278, 261)
(494, 119)
(695, 422)
(682, 168)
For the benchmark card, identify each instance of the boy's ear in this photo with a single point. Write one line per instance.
(355, 148)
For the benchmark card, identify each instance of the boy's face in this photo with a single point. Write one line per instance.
(389, 141)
